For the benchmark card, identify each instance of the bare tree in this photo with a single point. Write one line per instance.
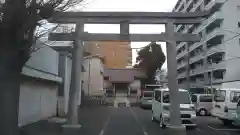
(18, 22)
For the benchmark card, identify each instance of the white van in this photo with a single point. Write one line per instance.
(203, 103)
(225, 104)
(146, 100)
(161, 103)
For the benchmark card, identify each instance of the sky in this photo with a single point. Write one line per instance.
(129, 5)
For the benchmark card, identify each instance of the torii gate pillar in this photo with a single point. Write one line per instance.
(75, 86)
(176, 127)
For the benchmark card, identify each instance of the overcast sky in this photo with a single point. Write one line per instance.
(130, 5)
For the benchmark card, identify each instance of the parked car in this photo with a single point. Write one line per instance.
(161, 110)
(203, 103)
(225, 104)
(237, 118)
(146, 100)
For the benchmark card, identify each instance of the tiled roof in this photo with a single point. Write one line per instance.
(123, 75)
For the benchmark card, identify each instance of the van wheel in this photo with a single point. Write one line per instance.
(226, 122)
(202, 112)
(161, 122)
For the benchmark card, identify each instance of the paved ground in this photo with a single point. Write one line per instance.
(126, 121)
(205, 125)
(104, 120)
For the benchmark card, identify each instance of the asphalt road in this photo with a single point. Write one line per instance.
(205, 125)
(137, 121)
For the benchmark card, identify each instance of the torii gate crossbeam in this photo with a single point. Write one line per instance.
(131, 17)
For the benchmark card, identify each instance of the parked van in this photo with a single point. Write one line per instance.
(161, 110)
(146, 100)
(225, 104)
(237, 118)
(203, 103)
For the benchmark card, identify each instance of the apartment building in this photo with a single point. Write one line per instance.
(115, 54)
(215, 60)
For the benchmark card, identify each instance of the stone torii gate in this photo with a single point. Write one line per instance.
(124, 19)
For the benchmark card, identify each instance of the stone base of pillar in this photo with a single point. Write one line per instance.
(69, 129)
(176, 130)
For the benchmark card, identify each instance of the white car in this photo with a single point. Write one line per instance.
(161, 110)
(225, 104)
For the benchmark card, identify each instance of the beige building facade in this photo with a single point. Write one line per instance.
(93, 79)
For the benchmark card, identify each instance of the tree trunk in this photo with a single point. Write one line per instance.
(11, 63)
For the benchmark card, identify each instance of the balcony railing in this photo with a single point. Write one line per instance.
(181, 54)
(205, 23)
(199, 70)
(214, 33)
(180, 45)
(196, 5)
(214, 49)
(181, 65)
(182, 75)
(214, 3)
(197, 58)
(216, 66)
(197, 84)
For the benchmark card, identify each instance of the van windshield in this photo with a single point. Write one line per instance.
(148, 94)
(184, 97)
(220, 96)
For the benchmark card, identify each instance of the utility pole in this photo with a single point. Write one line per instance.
(176, 127)
(188, 69)
(211, 79)
(89, 76)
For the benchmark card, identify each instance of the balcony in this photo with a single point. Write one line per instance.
(179, 6)
(181, 65)
(181, 54)
(215, 17)
(182, 75)
(216, 66)
(197, 84)
(214, 81)
(197, 71)
(196, 5)
(215, 33)
(215, 49)
(196, 58)
(180, 45)
(214, 4)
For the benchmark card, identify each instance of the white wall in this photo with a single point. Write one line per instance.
(94, 77)
(136, 84)
(45, 59)
(38, 100)
(235, 84)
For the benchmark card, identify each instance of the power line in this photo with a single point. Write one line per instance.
(223, 43)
